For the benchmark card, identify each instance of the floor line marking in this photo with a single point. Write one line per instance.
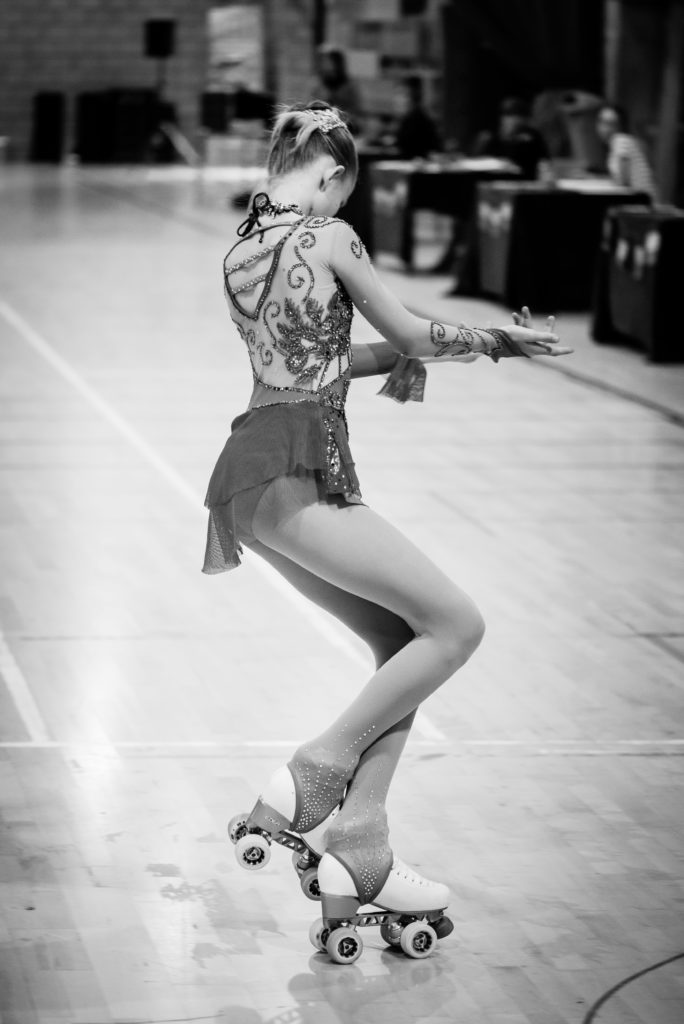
(324, 625)
(19, 691)
(101, 406)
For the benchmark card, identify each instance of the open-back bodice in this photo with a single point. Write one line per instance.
(292, 311)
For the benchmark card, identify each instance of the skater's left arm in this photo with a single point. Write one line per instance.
(407, 374)
(371, 358)
(406, 381)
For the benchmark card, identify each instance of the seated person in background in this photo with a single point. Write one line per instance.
(417, 134)
(625, 161)
(515, 139)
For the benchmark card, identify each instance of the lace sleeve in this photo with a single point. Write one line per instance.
(412, 336)
(373, 299)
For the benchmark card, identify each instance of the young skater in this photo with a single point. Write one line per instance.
(285, 487)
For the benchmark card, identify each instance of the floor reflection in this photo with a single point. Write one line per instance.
(390, 990)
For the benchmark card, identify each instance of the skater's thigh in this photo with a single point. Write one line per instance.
(355, 549)
(383, 630)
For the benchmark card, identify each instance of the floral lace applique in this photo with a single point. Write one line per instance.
(293, 322)
(310, 330)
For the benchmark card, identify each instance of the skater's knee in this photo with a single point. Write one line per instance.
(461, 634)
(474, 629)
(385, 645)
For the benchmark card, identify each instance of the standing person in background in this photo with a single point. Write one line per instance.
(515, 139)
(335, 87)
(626, 161)
(417, 134)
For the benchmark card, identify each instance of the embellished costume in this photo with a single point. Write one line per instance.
(294, 316)
(288, 285)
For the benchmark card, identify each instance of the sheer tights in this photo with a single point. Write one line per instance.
(420, 628)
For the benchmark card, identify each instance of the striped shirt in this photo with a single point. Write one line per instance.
(627, 164)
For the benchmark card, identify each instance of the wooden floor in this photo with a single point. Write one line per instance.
(143, 704)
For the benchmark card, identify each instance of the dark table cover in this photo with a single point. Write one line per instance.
(639, 281)
(358, 210)
(539, 244)
(400, 187)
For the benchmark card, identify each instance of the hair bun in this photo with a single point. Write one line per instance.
(303, 133)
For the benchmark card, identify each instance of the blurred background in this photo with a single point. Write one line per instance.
(91, 81)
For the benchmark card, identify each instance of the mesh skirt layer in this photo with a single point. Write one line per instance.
(279, 459)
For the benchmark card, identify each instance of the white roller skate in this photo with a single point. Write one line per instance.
(271, 821)
(408, 908)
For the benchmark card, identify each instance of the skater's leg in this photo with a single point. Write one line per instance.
(363, 814)
(356, 551)
(358, 836)
(382, 630)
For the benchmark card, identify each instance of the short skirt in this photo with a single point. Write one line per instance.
(298, 452)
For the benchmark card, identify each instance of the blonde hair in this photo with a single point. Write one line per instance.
(302, 134)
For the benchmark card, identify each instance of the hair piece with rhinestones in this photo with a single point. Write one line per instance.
(301, 134)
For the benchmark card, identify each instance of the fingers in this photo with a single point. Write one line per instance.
(545, 342)
(543, 338)
(551, 348)
(524, 319)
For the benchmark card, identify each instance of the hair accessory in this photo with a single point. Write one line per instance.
(262, 204)
(326, 120)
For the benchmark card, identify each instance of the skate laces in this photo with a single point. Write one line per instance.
(404, 871)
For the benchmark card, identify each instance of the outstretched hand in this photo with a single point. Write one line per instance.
(535, 343)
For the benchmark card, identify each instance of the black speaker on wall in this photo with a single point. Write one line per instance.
(160, 37)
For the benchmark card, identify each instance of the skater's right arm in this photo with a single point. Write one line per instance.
(414, 336)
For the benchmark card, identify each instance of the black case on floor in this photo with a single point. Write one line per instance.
(640, 279)
(539, 245)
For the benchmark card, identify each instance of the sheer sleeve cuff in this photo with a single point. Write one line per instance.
(505, 347)
(406, 382)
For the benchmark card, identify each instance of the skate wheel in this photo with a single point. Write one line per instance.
(253, 851)
(418, 940)
(443, 927)
(344, 945)
(237, 826)
(318, 934)
(391, 933)
(309, 884)
(300, 862)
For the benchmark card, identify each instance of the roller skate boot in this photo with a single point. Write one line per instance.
(294, 810)
(408, 908)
